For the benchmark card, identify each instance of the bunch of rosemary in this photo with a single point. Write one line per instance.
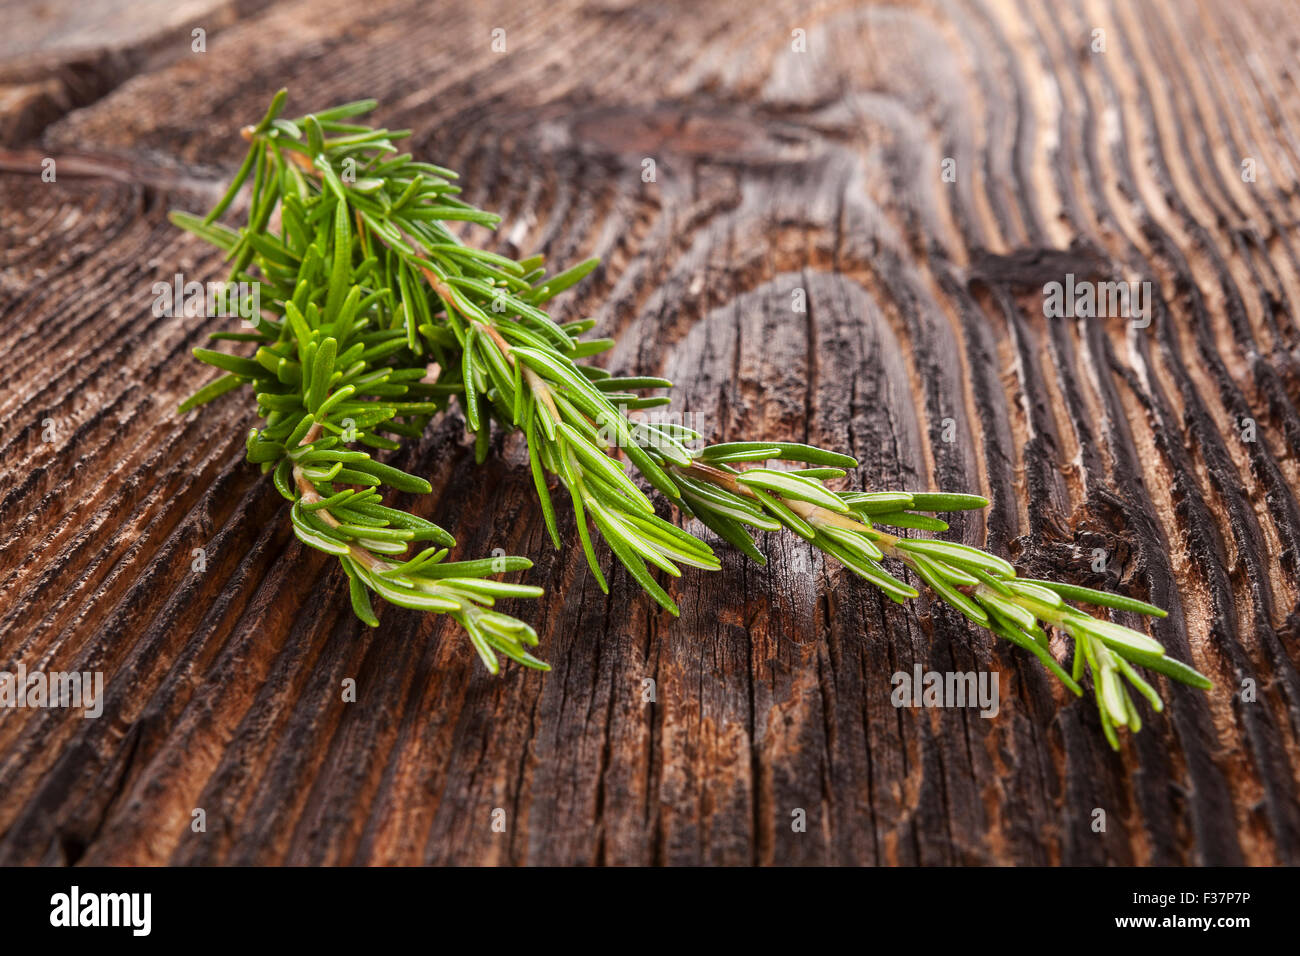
(378, 315)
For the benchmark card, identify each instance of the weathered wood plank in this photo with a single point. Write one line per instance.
(924, 351)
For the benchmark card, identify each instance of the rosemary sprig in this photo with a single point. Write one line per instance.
(380, 314)
(324, 378)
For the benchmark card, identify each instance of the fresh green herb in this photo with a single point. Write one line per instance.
(377, 315)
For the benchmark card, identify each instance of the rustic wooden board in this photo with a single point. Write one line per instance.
(776, 170)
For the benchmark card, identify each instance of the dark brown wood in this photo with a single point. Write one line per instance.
(776, 170)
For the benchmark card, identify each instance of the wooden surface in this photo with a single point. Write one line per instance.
(775, 169)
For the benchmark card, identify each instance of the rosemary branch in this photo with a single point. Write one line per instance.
(369, 290)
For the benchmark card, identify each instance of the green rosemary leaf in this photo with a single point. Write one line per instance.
(1113, 635)
(630, 383)
(820, 474)
(584, 536)
(851, 541)
(415, 599)
(1172, 668)
(260, 451)
(591, 347)
(1112, 696)
(558, 283)
(456, 250)
(905, 519)
(560, 371)
(212, 233)
(435, 555)
(424, 530)
(733, 533)
(210, 391)
(481, 438)
(322, 411)
(657, 440)
(351, 476)
(634, 565)
(878, 502)
(360, 596)
(231, 191)
(1007, 609)
(1036, 592)
(333, 501)
(283, 480)
(605, 466)
(778, 509)
(321, 373)
(539, 480)
(648, 467)
(792, 486)
(1080, 657)
(472, 569)
(946, 501)
(245, 368)
(1028, 643)
(953, 574)
(371, 533)
(1074, 592)
(933, 577)
(288, 128)
(480, 642)
(752, 451)
(869, 570)
(673, 543)
(708, 498)
(959, 554)
(454, 213)
(492, 589)
(275, 108)
(628, 535)
(311, 535)
(394, 477)
(469, 372)
(789, 451)
(300, 430)
(341, 273)
(997, 585)
(319, 475)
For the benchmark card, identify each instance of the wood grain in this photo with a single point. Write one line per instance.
(776, 170)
